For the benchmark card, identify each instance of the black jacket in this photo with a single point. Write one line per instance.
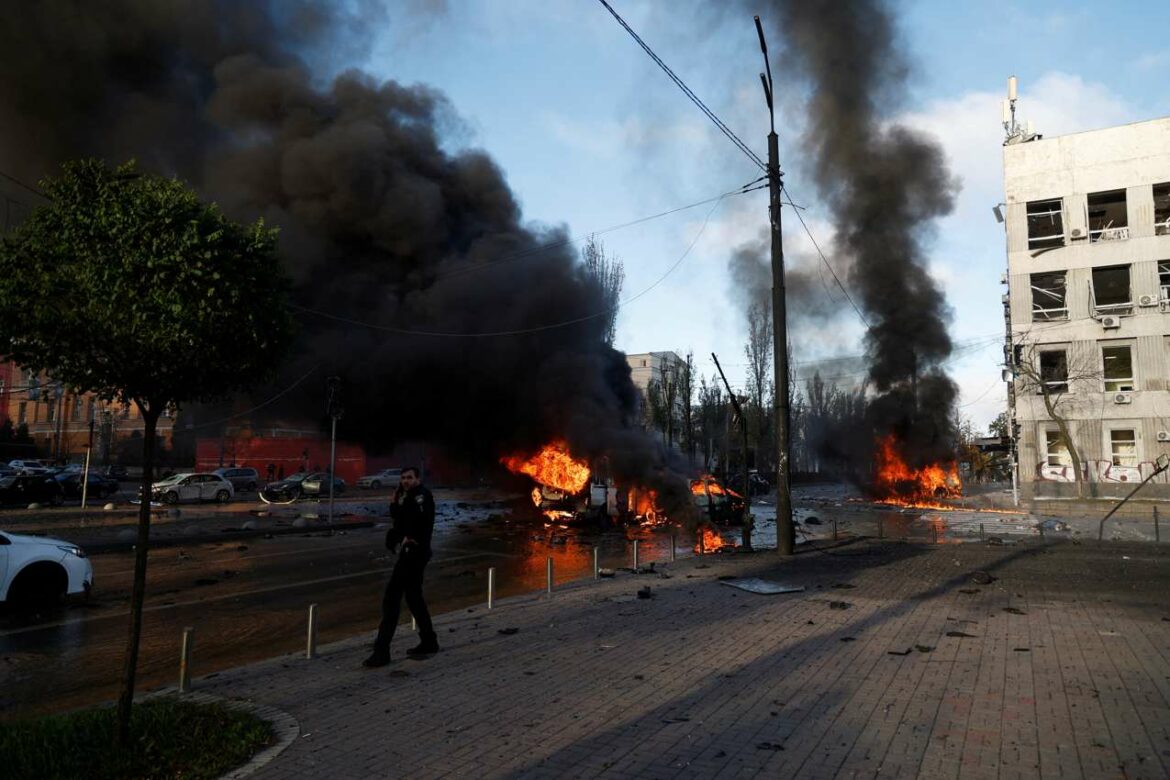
(413, 513)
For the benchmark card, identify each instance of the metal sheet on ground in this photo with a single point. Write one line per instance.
(762, 587)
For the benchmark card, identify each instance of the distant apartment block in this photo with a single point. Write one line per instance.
(1088, 306)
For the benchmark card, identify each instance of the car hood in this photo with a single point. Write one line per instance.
(23, 539)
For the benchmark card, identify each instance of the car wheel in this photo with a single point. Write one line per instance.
(223, 496)
(170, 497)
(39, 585)
(376, 485)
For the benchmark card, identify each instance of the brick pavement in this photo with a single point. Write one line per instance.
(1064, 674)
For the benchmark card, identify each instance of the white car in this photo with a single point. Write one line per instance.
(41, 570)
(31, 467)
(192, 487)
(384, 478)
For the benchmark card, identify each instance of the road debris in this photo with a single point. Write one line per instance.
(961, 635)
(508, 631)
(982, 578)
(839, 605)
(760, 586)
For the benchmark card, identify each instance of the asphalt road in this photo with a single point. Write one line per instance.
(248, 600)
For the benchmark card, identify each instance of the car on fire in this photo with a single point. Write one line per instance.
(303, 484)
(192, 487)
(720, 504)
(41, 570)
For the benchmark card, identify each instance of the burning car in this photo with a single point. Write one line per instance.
(721, 505)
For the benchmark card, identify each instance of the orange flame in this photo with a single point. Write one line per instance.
(896, 483)
(709, 541)
(552, 466)
(712, 487)
(643, 504)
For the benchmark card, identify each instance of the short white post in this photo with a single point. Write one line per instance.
(596, 563)
(673, 548)
(550, 575)
(185, 660)
(413, 624)
(311, 638)
(491, 586)
(635, 556)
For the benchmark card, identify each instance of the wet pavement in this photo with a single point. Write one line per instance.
(247, 598)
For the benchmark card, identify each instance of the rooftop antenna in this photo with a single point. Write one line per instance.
(1010, 126)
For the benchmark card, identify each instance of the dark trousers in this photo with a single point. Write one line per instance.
(406, 580)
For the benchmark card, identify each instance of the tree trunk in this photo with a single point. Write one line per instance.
(130, 668)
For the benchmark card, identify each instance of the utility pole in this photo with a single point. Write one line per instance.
(334, 409)
(747, 492)
(785, 534)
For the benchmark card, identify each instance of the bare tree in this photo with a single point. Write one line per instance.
(758, 351)
(686, 396)
(610, 273)
(1053, 374)
(712, 421)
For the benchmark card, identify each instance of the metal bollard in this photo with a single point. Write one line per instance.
(934, 532)
(982, 535)
(635, 556)
(185, 660)
(311, 639)
(550, 575)
(1157, 531)
(673, 548)
(596, 563)
(881, 533)
(491, 586)
(413, 623)
(834, 529)
(701, 545)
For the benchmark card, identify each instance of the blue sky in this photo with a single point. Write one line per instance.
(590, 134)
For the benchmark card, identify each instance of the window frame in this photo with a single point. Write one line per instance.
(1034, 209)
(1120, 308)
(1054, 431)
(1119, 381)
(1135, 455)
(1107, 231)
(1048, 314)
(1055, 385)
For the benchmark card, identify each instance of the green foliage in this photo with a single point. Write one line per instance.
(127, 285)
(170, 738)
(999, 426)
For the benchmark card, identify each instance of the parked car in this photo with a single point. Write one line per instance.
(241, 478)
(28, 466)
(118, 472)
(192, 487)
(303, 484)
(100, 486)
(384, 478)
(41, 570)
(24, 489)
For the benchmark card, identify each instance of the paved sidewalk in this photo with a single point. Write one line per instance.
(1059, 668)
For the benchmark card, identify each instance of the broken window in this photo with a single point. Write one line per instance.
(1107, 216)
(1123, 447)
(1164, 279)
(1045, 223)
(1118, 368)
(1111, 290)
(1054, 371)
(1162, 209)
(1056, 451)
(1048, 301)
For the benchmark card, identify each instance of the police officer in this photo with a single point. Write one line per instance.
(413, 512)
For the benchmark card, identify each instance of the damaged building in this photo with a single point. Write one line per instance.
(1088, 308)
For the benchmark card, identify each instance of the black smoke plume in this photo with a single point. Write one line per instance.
(474, 333)
(884, 184)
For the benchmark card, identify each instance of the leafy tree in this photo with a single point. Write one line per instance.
(1000, 426)
(127, 286)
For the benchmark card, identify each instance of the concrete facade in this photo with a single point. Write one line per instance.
(1088, 305)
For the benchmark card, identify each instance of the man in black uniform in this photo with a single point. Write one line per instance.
(413, 512)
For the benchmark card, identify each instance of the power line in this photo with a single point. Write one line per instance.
(825, 260)
(525, 331)
(687, 91)
(20, 183)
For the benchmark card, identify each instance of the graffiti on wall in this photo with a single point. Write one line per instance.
(1099, 471)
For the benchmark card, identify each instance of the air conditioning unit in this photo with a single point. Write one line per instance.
(1163, 435)
(1122, 398)
(1110, 321)
(1147, 300)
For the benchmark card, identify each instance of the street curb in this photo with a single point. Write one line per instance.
(174, 541)
(285, 728)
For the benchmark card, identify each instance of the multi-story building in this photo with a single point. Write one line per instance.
(1088, 307)
(659, 367)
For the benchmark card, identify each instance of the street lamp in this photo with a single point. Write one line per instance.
(785, 533)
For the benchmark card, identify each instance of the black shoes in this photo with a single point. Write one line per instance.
(376, 660)
(423, 649)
